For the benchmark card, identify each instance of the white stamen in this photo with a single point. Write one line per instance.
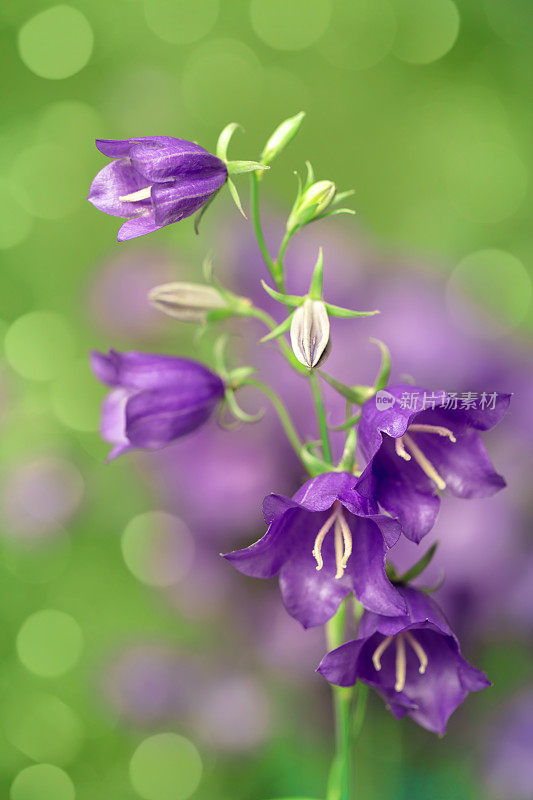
(424, 463)
(438, 429)
(401, 663)
(134, 197)
(419, 650)
(400, 449)
(339, 549)
(343, 540)
(347, 537)
(321, 535)
(378, 652)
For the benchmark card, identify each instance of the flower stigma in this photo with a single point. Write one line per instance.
(423, 462)
(134, 197)
(401, 656)
(343, 540)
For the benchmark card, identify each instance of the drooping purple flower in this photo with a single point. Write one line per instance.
(325, 542)
(155, 399)
(413, 661)
(418, 443)
(154, 181)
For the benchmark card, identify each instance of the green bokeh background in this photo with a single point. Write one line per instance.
(424, 106)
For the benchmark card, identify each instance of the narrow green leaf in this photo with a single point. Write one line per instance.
(348, 455)
(383, 375)
(314, 464)
(224, 140)
(237, 411)
(235, 195)
(335, 211)
(310, 175)
(287, 299)
(279, 330)
(349, 423)
(347, 313)
(355, 394)
(342, 196)
(199, 214)
(420, 565)
(315, 290)
(239, 167)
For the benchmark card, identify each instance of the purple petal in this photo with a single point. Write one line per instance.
(113, 422)
(264, 558)
(319, 494)
(139, 226)
(120, 148)
(178, 199)
(274, 505)
(174, 159)
(114, 181)
(138, 370)
(340, 666)
(366, 569)
(415, 510)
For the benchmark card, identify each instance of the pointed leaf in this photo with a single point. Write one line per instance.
(235, 195)
(224, 139)
(349, 423)
(239, 167)
(355, 394)
(287, 299)
(314, 465)
(342, 196)
(199, 214)
(335, 211)
(315, 290)
(347, 313)
(348, 455)
(237, 411)
(383, 375)
(310, 175)
(420, 565)
(279, 330)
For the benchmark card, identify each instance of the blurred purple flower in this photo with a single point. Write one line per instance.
(154, 181)
(317, 570)
(155, 399)
(509, 767)
(423, 442)
(413, 661)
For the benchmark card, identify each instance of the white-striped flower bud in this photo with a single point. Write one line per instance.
(310, 333)
(188, 302)
(313, 202)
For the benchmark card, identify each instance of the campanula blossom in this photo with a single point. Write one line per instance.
(154, 181)
(154, 400)
(418, 443)
(325, 542)
(412, 660)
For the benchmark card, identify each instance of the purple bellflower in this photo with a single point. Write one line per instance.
(154, 181)
(418, 443)
(413, 661)
(325, 542)
(154, 399)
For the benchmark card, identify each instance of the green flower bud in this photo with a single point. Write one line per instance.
(313, 202)
(188, 302)
(281, 137)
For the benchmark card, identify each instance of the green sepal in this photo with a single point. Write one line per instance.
(240, 374)
(286, 299)
(336, 211)
(236, 199)
(199, 214)
(383, 375)
(310, 175)
(317, 281)
(224, 140)
(349, 423)
(355, 394)
(347, 313)
(348, 455)
(239, 167)
(237, 411)
(342, 196)
(313, 464)
(420, 565)
(282, 328)
(219, 314)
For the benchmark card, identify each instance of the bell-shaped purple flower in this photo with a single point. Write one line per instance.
(154, 181)
(325, 542)
(419, 443)
(154, 399)
(413, 661)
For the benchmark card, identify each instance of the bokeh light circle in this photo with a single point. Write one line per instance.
(222, 78)
(56, 43)
(76, 397)
(497, 283)
(360, 34)
(42, 727)
(165, 765)
(486, 181)
(15, 221)
(290, 24)
(233, 714)
(38, 345)
(42, 782)
(157, 548)
(49, 643)
(51, 180)
(427, 29)
(180, 21)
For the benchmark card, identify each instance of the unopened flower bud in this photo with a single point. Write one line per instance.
(188, 302)
(313, 202)
(310, 333)
(281, 137)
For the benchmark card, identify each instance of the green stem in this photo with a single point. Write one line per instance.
(321, 415)
(341, 780)
(283, 414)
(258, 313)
(254, 208)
